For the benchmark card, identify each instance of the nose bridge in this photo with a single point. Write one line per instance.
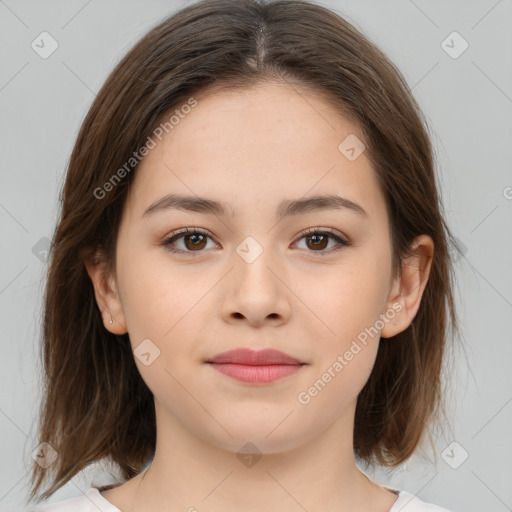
(255, 257)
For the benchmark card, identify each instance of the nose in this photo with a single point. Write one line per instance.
(256, 291)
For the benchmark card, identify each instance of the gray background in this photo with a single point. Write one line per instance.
(468, 102)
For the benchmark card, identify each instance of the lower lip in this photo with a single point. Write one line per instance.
(256, 374)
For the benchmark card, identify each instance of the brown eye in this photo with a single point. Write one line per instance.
(317, 240)
(194, 241)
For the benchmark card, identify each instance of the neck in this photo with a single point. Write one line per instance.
(190, 474)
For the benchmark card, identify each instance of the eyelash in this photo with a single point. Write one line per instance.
(309, 232)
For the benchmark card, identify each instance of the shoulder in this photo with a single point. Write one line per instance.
(91, 501)
(407, 502)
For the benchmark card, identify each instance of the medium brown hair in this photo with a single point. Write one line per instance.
(96, 406)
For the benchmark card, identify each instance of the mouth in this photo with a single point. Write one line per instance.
(259, 367)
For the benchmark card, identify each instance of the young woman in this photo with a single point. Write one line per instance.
(249, 289)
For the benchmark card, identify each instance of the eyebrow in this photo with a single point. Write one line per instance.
(286, 208)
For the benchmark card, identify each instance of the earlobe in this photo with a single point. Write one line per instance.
(106, 294)
(408, 289)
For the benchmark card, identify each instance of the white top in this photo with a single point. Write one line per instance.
(93, 501)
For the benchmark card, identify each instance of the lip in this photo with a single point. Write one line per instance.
(261, 366)
(252, 357)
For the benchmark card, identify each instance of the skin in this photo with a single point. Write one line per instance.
(252, 149)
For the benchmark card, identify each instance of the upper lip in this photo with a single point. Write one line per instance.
(256, 358)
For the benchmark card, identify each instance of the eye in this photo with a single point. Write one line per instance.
(194, 240)
(317, 239)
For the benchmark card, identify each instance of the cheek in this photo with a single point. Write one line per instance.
(349, 303)
(345, 354)
(349, 297)
(158, 304)
(156, 294)
(162, 303)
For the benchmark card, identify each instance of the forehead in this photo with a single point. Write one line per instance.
(257, 146)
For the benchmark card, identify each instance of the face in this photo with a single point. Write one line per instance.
(253, 279)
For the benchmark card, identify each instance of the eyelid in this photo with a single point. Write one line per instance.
(331, 231)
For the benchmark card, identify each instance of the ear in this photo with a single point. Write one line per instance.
(407, 289)
(106, 293)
